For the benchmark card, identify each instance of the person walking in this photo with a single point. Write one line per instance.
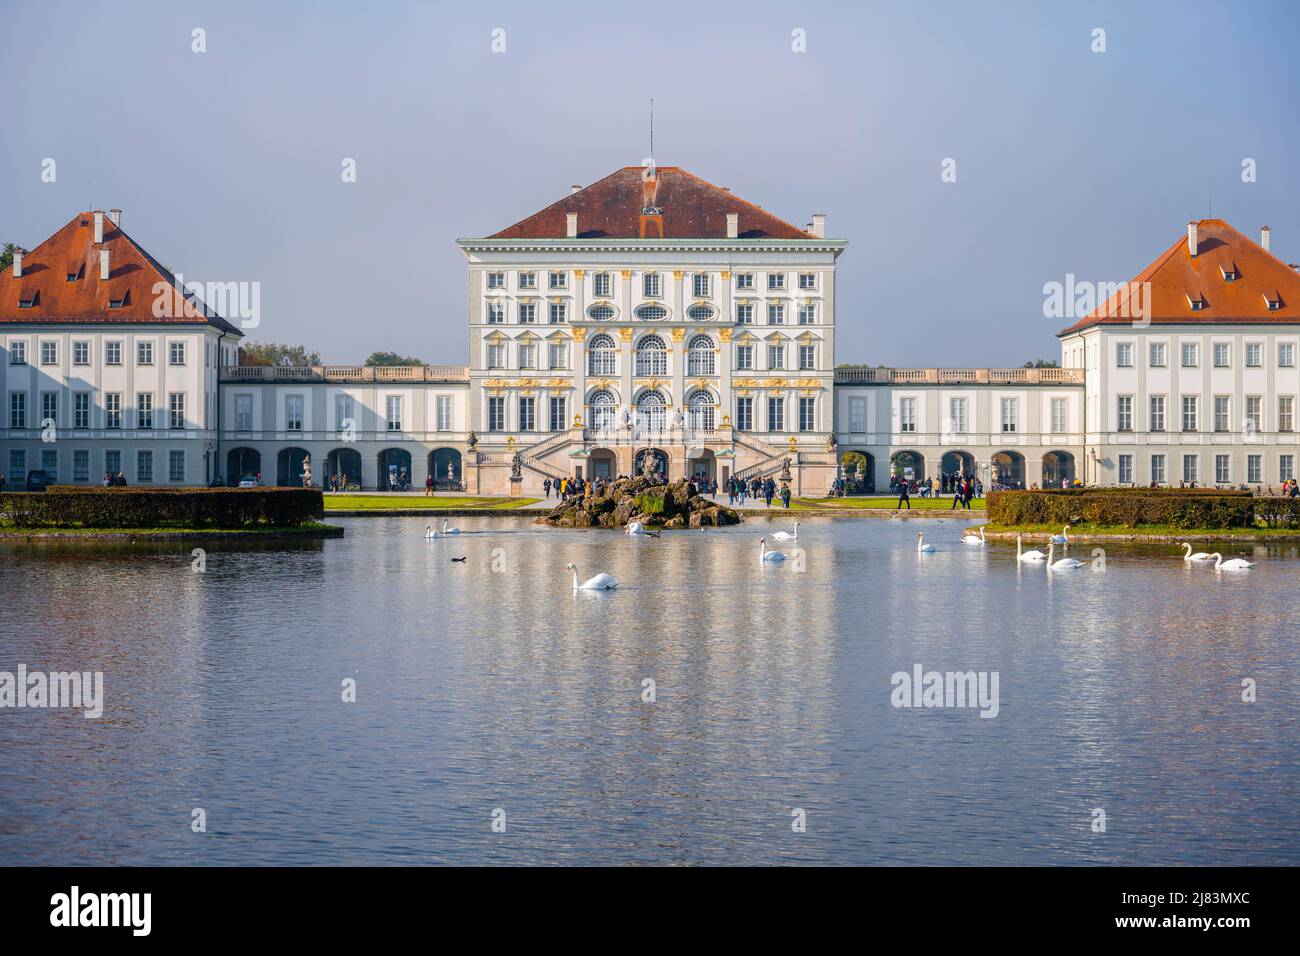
(785, 496)
(546, 485)
(769, 491)
(904, 497)
(428, 486)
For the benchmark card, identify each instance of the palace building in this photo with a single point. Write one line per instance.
(652, 315)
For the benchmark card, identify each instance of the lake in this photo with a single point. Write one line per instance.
(489, 688)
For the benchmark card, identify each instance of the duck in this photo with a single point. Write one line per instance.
(921, 546)
(1030, 557)
(1233, 564)
(1200, 556)
(1065, 564)
(601, 582)
(766, 555)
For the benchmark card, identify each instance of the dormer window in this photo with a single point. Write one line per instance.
(122, 302)
(77, 273)
(1273, 304)
(1229, 273)
(29, 300)
(1196, 303)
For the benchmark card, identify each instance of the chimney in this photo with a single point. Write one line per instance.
(99, 226)
(103, 265)
(1191, 239)
(571, 230)
(819, 225)
(733, 225)
(1263, 237)
(18, 263)
(575, 188)
(116, 216)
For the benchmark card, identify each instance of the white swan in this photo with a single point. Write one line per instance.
(1032, 557)
(969, 538)
(766, 555)
(1236, 564)
(430, 533)
(601, 582)
(1063, 537)
(921, 546)
(1198, 556)
(1065, 564)
(635, 527)
(786, 535)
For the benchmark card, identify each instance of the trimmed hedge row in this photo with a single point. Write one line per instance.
(65, 506)
(1124, 507)
(1277, 512)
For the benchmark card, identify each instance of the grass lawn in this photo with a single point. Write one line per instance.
(346, 502)
(918, 504)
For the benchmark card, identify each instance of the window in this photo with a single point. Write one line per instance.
(604, 412)
(17, 352)
(496, 414)
(857, 415)
(496, 313)
(651, 285)
(699, 313)
(1222, 473)
(699, 356)
(1124, 413)
(144, 410)
(176, 407)
(17, 409)
(957, 415)
(808, 313)
(745, 314)
(807, 358)
(558, 416)
(527, 355)
(143, 466)
(176, 353)
(112, 409)
(1125, 469)
(807, 280)
(81, 410)
(651, 411)
(442, 417)
(1158, 469)
(1124, 355)
(907, 414)
(700, 285)
(775, 414)
(1221, 410)
(745, 358)
(1222, 353)
(496, 280)
(528, 280)
(1286, 355)
(1189, 467)
(343, 412)
(244, 413)
(601, 284)
(1191, 356)
(49, 353)
(1060, 414)
(1189, 413)
(81, 355)
(1156, 422)
(1285, 467)
(393, 407)
(744, 280)
(775, 313)
(1157, 352)
(651, 356)
(527, 313)
(81, 464)
(1286, 413)
(651, 313)
(527, 413)
(176, 465)
(558, 313)
(112, 353)
(17, 467)
(1010, 414)
(775, 281)
(1254, 355)
(1254, 423)
(496, 355)
(143, 353)
(601, 313)
(807, 414)
(49, 409)
(558, 280)
(700, 411)
(50, 464)
(776, 356)
(601, 356)
(293, 408)
(745, 414)
(557, 355)
(1254, 469)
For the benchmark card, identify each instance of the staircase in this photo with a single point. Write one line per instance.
(531, 457)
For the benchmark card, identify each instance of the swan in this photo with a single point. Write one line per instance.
(969, 538)
(1198, 556)
(766, 555)
(1063, 537)
(1032, 557)
(786, 535)
(635, 527)
(1236, 564)
(1065, 564)
(921, 546)
(430, 533)
(601, 582)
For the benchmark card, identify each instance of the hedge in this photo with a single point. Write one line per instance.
(1124, 507)
(69, 506)
(1278, 512)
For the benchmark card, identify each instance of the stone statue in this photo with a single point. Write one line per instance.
(306, 471)
(451, 475)
(517, 466)
(648, 465)
(785, 469)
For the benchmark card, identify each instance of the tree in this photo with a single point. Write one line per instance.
(1041, 363)
(391, 358)
(272, 353)
(7, 256)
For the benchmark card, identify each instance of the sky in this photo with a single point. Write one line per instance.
(228, 163)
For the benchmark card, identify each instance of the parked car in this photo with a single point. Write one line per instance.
(36, 481)
(248, 481)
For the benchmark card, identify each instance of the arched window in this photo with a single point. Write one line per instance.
(651, 313)
(652, 411)
(601, 312)
(651, 356)
(601, 355)
(700, 407)
(604, 414)
(699, 313)
(699, 356)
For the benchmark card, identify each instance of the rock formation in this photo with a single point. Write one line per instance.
(651, 502)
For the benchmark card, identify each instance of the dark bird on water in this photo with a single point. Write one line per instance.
(458, 559)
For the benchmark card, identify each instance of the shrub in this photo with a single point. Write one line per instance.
(650, 504)
(1278, 512)
(1126, 507)
(67, 506)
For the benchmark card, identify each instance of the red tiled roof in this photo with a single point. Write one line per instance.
(1177, 275)
(692, 209)
(132, 275)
